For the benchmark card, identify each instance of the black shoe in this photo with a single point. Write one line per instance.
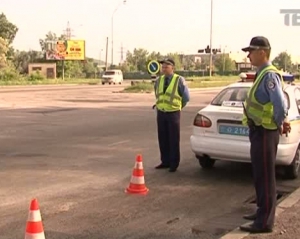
(250, 217)
(253, 229)
(172, 170)
(161, 166)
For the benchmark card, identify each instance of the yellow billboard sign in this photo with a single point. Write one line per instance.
(66, 50)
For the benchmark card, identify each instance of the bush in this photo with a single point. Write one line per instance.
(9, 74)
(36, 76)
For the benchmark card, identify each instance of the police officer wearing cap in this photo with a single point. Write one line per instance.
(264, 113)
(172, 95)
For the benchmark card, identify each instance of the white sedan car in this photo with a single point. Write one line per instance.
(218, 133)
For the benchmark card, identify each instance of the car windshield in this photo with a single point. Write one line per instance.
(109, 73)
(231, 94)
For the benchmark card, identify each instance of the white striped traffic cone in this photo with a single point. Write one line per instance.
(137, 182)
(34, 227)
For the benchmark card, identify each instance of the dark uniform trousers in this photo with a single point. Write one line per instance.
(264, 144)
(168, 126)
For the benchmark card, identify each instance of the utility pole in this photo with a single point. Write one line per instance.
(122, 54)
(68, 34)
(112, 31)
(100, 56)
(224, 59)
(211, 52)
(211, 23)
(106, 53)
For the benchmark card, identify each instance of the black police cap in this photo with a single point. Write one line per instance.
(167, 61)
(258, 42)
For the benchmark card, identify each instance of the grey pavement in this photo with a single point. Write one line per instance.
(74, 150)
(287, 224)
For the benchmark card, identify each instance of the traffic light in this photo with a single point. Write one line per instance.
(207, 49)
(215, 51)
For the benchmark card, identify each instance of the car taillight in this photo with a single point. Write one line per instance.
(202, 121)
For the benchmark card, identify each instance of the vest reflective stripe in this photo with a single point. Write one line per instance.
(262, 115)
(170, 100)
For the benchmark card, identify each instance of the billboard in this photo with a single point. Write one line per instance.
(65, 50)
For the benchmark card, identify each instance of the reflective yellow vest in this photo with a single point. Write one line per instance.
(169, 101)
(262, 115)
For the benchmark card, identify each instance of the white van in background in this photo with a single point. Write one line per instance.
(112, 77)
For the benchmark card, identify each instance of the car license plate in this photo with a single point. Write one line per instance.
(234, 130)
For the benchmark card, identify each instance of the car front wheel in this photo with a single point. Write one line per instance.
(292, 171)
(206, 162)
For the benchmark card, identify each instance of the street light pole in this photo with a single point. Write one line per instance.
(112, 32)
(100, 57)
(211, 23)
(224, 59)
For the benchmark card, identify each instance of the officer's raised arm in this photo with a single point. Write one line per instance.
(273, 86)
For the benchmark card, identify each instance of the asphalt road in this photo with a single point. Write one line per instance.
(74, 147)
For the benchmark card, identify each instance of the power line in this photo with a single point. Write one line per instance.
(122, 54)
(68, 32)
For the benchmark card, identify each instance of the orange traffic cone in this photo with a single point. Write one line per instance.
(137, 182)
(34, 227)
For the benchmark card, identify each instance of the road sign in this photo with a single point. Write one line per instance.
(153, 67)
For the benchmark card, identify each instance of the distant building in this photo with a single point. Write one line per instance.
(240, 58)
(244, 66)
(48, 70)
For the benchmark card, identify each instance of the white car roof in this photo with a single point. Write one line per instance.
(249, 84)
(240, 84)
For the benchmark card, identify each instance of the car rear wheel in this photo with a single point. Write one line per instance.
(292, 171)
(103, 83)
(206, 162)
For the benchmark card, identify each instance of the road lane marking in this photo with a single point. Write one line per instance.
(118, 143)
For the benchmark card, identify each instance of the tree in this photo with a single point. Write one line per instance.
(137, 60)
(8, 30)
(283, 61)
(125, 67)
(189, 63)
(154, 56)
(224, 63)
(177, 59)
(90, 68)
(21, 59)
(3, 52)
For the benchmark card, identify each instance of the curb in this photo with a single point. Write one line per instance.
(286, 203)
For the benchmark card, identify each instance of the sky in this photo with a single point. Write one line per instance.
(181, 26)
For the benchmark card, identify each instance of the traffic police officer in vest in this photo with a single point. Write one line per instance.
(172, 95)
(264, 113)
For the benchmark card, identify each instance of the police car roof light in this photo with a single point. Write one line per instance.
(286, 77)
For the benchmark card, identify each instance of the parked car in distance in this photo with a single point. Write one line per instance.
(112, 77)
(218, 133)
